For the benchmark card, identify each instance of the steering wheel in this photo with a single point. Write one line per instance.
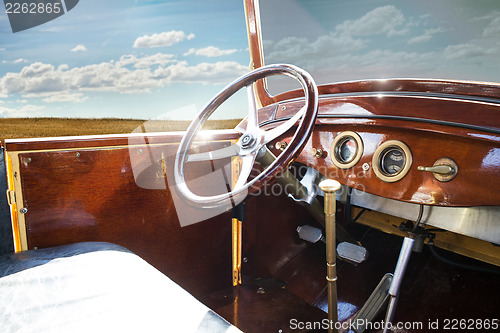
(252, 142)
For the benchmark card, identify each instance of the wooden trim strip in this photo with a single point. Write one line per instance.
(17, 218)
(111, 141)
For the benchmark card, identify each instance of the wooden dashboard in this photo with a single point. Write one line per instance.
(390, 135)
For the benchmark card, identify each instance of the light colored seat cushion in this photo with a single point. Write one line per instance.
(96, 287)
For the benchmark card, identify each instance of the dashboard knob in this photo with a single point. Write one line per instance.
(441, 169)
(444, 169)
(317, 152)
(281, 145)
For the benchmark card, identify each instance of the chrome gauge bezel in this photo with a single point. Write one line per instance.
(381, 151)
(340, 139)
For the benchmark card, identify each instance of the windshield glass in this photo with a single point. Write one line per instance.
(366, 39)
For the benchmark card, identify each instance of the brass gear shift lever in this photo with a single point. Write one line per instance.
(329, 187)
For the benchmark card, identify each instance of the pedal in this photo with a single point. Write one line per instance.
(352, 253)
(373, 305)
(310, 234)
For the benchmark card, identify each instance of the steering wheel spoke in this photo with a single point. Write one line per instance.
(226, 152)
(245, 170)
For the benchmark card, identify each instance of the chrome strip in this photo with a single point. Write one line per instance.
(482, 222)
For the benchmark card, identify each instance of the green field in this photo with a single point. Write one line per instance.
(12, 128)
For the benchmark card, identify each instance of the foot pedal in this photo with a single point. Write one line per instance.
(310, 234)
(353, 253)
(373, 305)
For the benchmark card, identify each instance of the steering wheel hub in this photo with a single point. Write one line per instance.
(247, 141)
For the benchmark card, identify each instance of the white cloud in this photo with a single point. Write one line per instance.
(419, 39)
(299, 49)
(344, 42)
(15, 62)
(382, 20)
(36, 69)
(370, 64)
(487, 17)
(210, 51)
(204, 73)
(64, 97)
(79, 48)
(21, 112)
(466, 51)
(160, 59)
(162, 39)
(130, 74)
(493, 28)
(426, 36)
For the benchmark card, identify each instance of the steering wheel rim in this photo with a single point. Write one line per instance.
(252, 141)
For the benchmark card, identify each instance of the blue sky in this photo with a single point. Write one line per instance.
(149, 59)
(124, 58)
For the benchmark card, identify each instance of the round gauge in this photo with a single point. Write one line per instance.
(347, 149)
(392, 161)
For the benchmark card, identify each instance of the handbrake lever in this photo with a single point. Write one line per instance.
(309, 182)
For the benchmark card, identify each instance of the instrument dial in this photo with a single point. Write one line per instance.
(393, 161)
(347, 149)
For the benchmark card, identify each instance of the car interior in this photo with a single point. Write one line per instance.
(369, 205)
